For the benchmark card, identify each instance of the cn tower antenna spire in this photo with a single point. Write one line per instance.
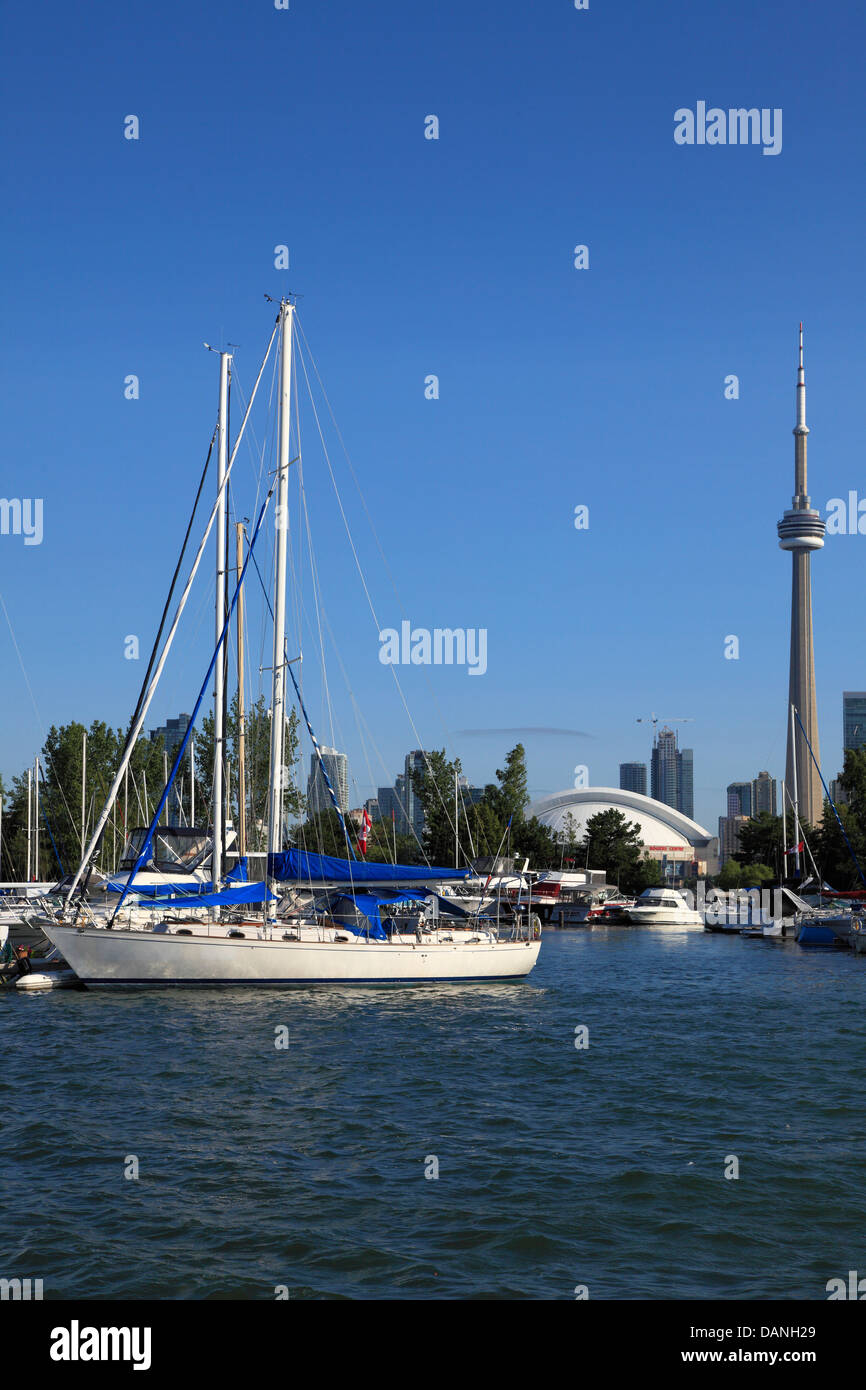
(802, 427)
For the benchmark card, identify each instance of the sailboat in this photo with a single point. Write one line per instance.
(362, 923)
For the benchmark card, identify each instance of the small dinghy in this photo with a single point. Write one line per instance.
(51, 972)
(64, 978)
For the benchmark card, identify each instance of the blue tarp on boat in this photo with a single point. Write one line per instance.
(238, 893)
(153, 890)
(300, 866)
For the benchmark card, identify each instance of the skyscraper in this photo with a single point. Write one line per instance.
(729, 837)
(172, 731)
(415, 762)
(392, 806)
(673, 776)
(801, 531)
(764, 794)
(687, 783)
(632, 777)
(854, 719)
(739, 796)
(337, 767)
(664, 767)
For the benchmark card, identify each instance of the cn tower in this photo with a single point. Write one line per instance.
(801, 531)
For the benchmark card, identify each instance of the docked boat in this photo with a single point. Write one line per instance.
(362, 922)
(663, 907)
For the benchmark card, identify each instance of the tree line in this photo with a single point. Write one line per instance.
(761, 851)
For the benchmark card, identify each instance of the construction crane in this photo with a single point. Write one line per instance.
(655, 721)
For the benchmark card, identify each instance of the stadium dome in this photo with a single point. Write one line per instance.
(663, 830)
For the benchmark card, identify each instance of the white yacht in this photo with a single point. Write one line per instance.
(663, 907)
(369, 923)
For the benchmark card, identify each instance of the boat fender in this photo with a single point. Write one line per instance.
(536, 929)
(857, 924)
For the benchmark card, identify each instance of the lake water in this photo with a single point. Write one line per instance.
(304, 1167)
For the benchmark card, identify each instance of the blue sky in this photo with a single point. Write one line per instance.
(558, 387)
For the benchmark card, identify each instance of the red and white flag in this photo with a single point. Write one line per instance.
(796, 849)
(365, 826)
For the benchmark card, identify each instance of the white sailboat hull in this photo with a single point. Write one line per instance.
(101, 957)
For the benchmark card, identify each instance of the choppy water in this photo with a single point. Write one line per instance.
(305, 1167)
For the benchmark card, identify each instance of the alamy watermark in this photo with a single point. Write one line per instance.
(846, 517)
(736, 126)
(22, 516)
(443, 646)
(20, 1290)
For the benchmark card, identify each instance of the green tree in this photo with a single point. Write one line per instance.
(510, 797)
(760, 840)
(614, 844)
(569, 840)
(536, 842)
(833, 855)
(731, 874)
(434, 786)
(647, 875)
(756, 875)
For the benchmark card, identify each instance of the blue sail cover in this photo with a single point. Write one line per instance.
(238, 893)
(300, 866)
(154, 890)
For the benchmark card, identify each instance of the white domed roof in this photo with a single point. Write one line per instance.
(661, 827)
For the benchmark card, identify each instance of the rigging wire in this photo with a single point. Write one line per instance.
(358, 566)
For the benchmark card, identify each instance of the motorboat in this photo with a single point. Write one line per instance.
(663, 907)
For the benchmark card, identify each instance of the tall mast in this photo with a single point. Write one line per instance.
(36, 819)
(29, 799)
(219, 670)
(278, 697)
(242, 789)
(83, 783)
(192, 780)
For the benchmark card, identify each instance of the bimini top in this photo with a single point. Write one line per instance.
(299, 866)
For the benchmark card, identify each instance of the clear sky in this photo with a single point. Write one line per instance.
(559, 387)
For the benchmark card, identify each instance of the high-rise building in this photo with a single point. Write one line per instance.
(337, 767)
(392, 805)
(664, 768)
(416, 761)
(739, 799)
(673, 775)
(729, 837)
(854, 719)
(764, 794)
(801, 531)
(687, 783)
(632, 777)
(172, 731)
